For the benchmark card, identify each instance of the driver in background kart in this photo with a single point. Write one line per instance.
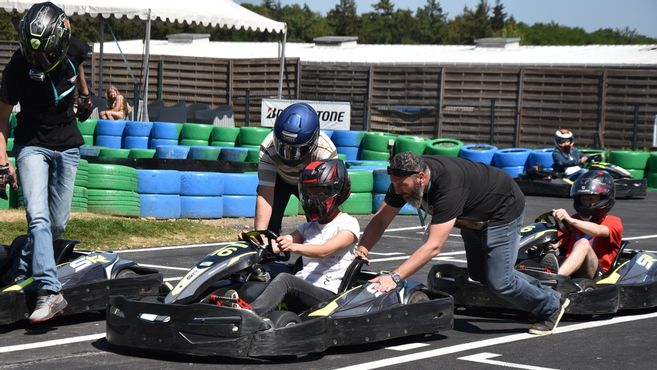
(326, 242)
(567, 159)
(596, 236)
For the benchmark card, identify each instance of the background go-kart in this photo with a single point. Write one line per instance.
(475, 343)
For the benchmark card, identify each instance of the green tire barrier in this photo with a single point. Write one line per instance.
(88, 127)
(196, 131)
(222, 143)
(113, 153)
(225, 134)
(342, 157)
(193, 142)
(629, 160)
(88, 139)
(292, 208)
(652, 180)
(412, 144)
(370, 155)
(10, 144)
(652, 162)
(378, 141)
(252, 135)
(253, 156)
(249, 146)
(446, 147)
(111, 169)
(361, 181)
(111, 183)
(637, 174)
(142, 153)
(130, 211)
(111, 195)
(358, 204)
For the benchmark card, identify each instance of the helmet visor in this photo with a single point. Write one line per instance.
(561, 140)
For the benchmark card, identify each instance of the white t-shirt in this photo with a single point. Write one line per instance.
(327, 272)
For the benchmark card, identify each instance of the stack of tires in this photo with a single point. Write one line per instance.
(88, 130)
(195, 134)
(412, 144)
(360, 201)
(633, 161)
(142, 153)
(137, 134)
(204, 153)
(112, 189)
(224, 136)
(481, 153)
(172, 151)
(201, 195)
(238, 154)
(540, 157)
(110, 154)
(252, 137)
(445, 147)
(159, 193)
(347, 143)
(80, 193)
(164, 133)
(240, 190)
(511, 160)
(381, 185)
(652, 171)
(109, 133)
(376, 146)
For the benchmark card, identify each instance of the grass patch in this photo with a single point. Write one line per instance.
(114, 233)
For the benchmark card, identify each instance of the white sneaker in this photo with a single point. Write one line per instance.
(47, 306)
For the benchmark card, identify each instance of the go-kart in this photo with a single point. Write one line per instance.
(630, 284)
(87, 278)
(195, 318)
(536, 181)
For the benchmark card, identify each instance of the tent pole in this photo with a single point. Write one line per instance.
(100, 62)
(143, 115)
(282, 57)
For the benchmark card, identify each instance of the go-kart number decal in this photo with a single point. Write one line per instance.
(527, 229)
(646, 261)
(229, 249)
(86, 261)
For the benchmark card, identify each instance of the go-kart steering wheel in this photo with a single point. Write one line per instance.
(549, 219)
(255, 237)
(593, 158)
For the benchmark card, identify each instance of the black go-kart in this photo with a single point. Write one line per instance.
(88, 279)
(195, 318)
(631, 283)
(536, 181)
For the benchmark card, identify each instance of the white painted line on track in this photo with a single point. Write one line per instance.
(165, 267)
(490, 342)
(400, 237)
(51, 343)
(173, 247)
(641, 237)
(407, 347)
(485, 358)
(386, 253)
(404, 229)
(175, 278)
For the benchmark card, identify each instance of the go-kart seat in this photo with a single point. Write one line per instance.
(349, 278)
(63, 249)
(617, 258)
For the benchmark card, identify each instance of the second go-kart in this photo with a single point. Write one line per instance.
(536, 181)
(88, 279)
(630, 284)
(194, 318)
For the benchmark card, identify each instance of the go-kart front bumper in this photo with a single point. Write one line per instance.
(625, 188)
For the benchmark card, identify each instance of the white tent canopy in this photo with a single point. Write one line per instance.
(224, 13)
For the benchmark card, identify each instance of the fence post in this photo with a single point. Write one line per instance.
(492, 121)
(636, 125)
(247, 104)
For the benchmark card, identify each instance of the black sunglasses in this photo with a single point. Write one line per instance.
(399, 172)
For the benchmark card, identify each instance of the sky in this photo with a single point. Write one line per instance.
(590, 15)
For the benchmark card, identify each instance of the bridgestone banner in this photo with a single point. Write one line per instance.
(332, 115)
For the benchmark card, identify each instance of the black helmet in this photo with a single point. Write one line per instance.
(295, 133)
(323, 186)
(44, 34)
(594, 182)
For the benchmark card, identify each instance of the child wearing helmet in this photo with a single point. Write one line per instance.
(295, 141)
(326, 242)
(596, 236)
(567, 159)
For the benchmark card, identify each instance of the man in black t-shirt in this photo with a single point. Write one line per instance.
(43, 78)
(487, 205)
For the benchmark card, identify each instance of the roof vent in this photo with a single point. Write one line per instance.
(188, 38)
(498, 42)
(335, 40)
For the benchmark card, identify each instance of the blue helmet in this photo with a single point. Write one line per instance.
(295, 133)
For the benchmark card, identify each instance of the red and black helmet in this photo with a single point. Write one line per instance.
(44, 34)
(594, 182)
(323, 186)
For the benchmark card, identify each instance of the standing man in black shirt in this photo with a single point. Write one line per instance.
(42, 77)
(488, 207)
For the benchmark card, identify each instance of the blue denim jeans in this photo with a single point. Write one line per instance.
(491, 256)
(46, 178)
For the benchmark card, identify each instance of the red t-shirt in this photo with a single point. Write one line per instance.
(605, 248)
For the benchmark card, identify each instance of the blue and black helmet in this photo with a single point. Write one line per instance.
(295, 133)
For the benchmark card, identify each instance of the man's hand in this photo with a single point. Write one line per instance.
(7, 176)
(583, 159)
(361, 252)
(383, 283)
(561, 215)
(85, 107)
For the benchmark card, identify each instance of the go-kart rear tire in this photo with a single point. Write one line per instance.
(126, 273)
(417, 297)
(282, 319)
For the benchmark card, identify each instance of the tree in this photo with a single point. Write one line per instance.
(499, 17)
(471, 25)
(344, 18)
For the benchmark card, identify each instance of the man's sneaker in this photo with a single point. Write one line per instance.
(48, 306)
(550, 263)
(547, 327)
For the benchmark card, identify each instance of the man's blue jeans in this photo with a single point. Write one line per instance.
(46, 178)
(492, 254)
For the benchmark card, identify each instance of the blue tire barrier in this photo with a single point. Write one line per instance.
(239, 205)
(159, 205)
(89, 151)
(381, 181)
(106, 127)
(347, 138)
(514, 171)
(365, 168)
(481, 153)
(165, 130)
(135, 142)
(379, 164)
(206, 153)
(351, 153)
(109, 141)
(240, 183)
(233, 154)
(328, 133)
(136, 128)
(158, 182)
(172, 151)
(377, 200)
(202, 183)
(201, 207)
(511, 157)
(542, 157)
(154, 143)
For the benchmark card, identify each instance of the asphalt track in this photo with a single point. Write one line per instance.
(621, 341)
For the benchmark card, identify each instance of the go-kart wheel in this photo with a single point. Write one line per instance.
(585, 285)
(127, 273)
(283, 319)
(255, 237)
(417, 297)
